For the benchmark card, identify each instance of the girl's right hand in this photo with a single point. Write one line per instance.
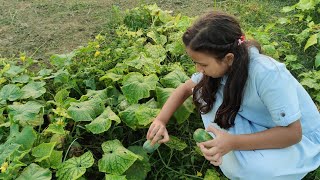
(158, 132)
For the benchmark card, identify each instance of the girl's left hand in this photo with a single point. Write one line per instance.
(214, 149)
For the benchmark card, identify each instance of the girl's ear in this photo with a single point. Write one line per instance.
(228, 58)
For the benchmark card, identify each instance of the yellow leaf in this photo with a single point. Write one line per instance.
(22, 58)
(199, 174)
(4, 167)
(97, 54)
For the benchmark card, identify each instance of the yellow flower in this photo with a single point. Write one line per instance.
(199, 174)
(97, 54)
(4, 167)
(23, 58)
(60, 122)
(99, 37)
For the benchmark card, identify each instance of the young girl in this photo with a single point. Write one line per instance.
(265, 124)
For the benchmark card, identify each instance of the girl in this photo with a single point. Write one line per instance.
(265, 124)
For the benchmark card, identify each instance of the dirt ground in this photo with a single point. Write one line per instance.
(41, 28)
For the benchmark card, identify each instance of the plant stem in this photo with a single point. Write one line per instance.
(166, 166)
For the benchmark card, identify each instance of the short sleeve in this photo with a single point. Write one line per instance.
(277, 90)
(196, 77)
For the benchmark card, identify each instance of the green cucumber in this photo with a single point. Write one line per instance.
(149, 148)
(201, 135)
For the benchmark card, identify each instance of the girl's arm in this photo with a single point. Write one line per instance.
(178, 96)
(273, 138)
(277, 137)
(157, 130)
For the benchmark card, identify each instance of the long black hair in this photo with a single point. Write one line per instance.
(218, 34)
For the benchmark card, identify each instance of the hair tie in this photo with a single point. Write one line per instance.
(241, 39)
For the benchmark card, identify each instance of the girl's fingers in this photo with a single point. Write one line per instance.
(217, 163)
(154, 132)
(209, 152)
(165, 138)
(150, 130)
(209, 144)
(213, 158)
(158, 136)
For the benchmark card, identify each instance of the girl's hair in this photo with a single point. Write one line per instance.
(217, 34)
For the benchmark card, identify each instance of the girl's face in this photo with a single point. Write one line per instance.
(209, 65)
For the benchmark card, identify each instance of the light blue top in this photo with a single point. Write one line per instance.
(272, 97)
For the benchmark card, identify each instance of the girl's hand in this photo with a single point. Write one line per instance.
(214, 149)
(158, 132)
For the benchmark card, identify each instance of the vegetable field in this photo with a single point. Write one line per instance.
(85, 114)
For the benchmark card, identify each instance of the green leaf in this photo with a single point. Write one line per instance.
(61, 97)
(21, 79)
(14, 71)
(62, 76)
(87, 110)
(35, 172)
(95, 94)
(114, 96)
(176, 143)
(138, 115)
(7, 149)
(26, 138)
(61, 111)
(283, 20)
(90, 83)
(10, 92)
(45, 72)
(311, 41)
(5, 68)
(157, 38)
(53, 161)
(287, 9)
(174, 79)
(113, 76)
(43, 151)
(103, 122)
(183, 112)
(116, 73)
(155, 51)
(61, 60)
(56, 129)
(176, 48)
(305, 5)
(115, 177)
(33, 90)
(165, 16)
(75, 167)
(26, 113)
(211, 174)
(317, 61)
(144, 63)
(140, 168)
(310, 83)
(116, 158)
(136, 86)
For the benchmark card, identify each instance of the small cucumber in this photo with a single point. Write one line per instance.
(149, 148)
(201, 135)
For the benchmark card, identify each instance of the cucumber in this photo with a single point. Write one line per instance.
(201, 135)
(149, 148)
